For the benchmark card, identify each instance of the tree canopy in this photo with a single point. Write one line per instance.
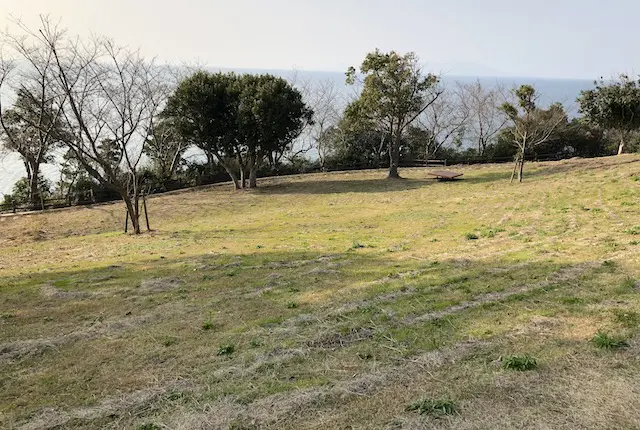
(395, 92)
(239, 119)
(613, 105)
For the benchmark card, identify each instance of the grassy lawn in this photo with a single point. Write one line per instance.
(333, 301)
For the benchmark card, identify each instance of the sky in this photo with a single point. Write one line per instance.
(543, 38)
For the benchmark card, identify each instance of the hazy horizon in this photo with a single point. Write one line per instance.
(572, 39)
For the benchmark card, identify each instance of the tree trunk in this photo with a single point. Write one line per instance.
(520, 171)
(522, 155)
(34, 192)
(394, 156)
(132, 211)
(515, 168)
(621, 146)
(230, 169)
(243, 181)
(253, 176)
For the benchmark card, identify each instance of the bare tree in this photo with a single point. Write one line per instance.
(324, 100)
(445, 121)
(165, 148)
(531, 126)
(111, 97)
(485, 117)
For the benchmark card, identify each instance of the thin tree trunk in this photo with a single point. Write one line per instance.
(515, 168)
(520, 175)
(133, 216)
(621, 146)
(34, 192)
(394, 156)
(524, 151)
(243, 181)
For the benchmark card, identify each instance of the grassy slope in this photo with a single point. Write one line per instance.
(345, 297)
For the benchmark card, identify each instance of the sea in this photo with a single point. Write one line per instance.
(565, 91)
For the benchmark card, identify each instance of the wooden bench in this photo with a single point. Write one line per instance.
(436, 163)
(445, 175)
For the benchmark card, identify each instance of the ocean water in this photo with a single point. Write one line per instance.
(551, 90)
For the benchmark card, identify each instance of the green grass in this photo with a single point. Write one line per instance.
(519, 362)
(605, 340)
(434, 407)
(335, 298)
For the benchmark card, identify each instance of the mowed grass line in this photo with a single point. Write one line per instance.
(360, 277)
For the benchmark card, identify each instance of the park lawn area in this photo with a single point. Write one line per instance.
(333, 301)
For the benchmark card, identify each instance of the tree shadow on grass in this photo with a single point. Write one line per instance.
(345, 186)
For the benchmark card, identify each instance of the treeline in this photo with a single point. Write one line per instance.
(121, 126)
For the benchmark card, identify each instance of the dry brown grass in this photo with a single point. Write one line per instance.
(392, 304)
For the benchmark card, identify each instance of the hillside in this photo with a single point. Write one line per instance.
(333, 301)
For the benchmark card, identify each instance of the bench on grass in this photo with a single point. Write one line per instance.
(445, 175)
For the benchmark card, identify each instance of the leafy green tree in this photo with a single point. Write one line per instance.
(613, 105)
(32, 128)
(271, 115)
(203, 109)
(394, 93)
(21, 193)
(531, 126)
(240, 120)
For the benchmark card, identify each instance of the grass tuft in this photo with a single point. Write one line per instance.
(604, 340)
(471, 236)
(520, 363)
(635, 230)
(433, 407)
(226, 349)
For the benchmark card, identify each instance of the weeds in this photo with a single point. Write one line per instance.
(433, 407)
(635, 230)
(292, 305)
(520, 363)
(207, 325)
(471, 236)
(627, 318)
(604, 340)
(226, 349)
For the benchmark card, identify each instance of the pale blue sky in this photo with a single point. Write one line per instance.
(544, 38)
